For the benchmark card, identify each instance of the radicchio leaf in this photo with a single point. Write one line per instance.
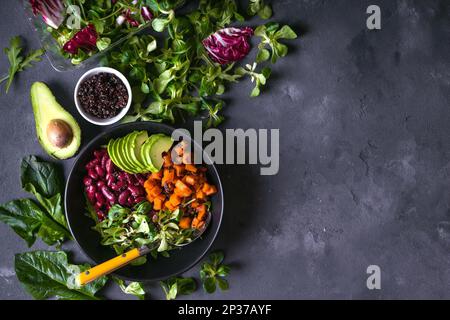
(86, 39)
(52, 11)
(229, 44)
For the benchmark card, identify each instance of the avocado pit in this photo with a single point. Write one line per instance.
(59, 133)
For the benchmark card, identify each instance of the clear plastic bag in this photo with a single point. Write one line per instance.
(53, 49)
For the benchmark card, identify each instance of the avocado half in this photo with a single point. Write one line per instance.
(57, 130)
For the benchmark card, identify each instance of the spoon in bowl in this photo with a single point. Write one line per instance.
(124, 259)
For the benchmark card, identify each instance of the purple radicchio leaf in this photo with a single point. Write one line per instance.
(146, 14)
(229, 44)
(52, 11)
(86, 39)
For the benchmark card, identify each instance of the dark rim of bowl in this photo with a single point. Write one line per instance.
(76, 162)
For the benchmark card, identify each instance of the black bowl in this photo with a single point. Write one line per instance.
(89, 240)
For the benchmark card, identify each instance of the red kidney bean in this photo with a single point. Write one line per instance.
(123, 198)
(87, 181)
(141, 180)
(108, 194)
(92, 164)
(108, 206)
(122, 176)
(100, 198)
(100, 184)
(99, 153)
(130, 200)
(100, 215)
(98, 205)
(139, 199)
(110, 180)
(109, 166)
(105, 157)
(90, 192)
(114, 187)
(100, 171)
(135, 191)
(132, 179)
(92, 174)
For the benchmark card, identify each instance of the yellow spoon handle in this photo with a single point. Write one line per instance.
(108, 266)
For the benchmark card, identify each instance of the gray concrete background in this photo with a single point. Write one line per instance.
(365, 157)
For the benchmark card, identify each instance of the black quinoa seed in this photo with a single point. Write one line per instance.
(103, 95)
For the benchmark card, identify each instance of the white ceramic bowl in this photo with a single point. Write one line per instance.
(93, 119)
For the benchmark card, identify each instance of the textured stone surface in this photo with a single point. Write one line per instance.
(365, 157)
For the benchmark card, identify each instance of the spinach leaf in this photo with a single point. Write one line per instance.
(29, 221)
(213, 272)
(45, 182)
(133, 288)
(46, 274)
(178, 286)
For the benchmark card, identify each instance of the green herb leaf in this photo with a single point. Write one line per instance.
(209, 284)
(271, 34)
(46, 274)
(176, 286)
(17, 62)
(13, 54)
(259, 7)
(212, 273)
(134, 288)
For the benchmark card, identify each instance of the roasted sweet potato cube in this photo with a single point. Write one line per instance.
(182, 189)
(185, 223)
(175, 199)
(191, 168)
(157, 204)
(155, 191)
(168, 176)
(209, 189)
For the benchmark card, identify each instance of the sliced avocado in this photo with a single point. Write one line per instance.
(115, 155)
(57, 130)
(125, 151)
(145, 154)
(153, 149)
(133, 147)
(122, 153)
(140, 140)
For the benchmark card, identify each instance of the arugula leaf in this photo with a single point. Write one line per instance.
(46, 274)
(270, 34)
(133, 288)
(13, 53)
(18, 62)
(259, 7)
(213, 272)
(28, 220)
(176, 286)
(45, 182)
